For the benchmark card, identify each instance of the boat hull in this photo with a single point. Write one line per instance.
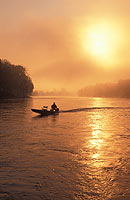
(45, 112)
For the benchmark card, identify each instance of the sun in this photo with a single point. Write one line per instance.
(101, 41)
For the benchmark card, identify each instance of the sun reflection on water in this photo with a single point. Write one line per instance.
(96, 141)
(95, 145)
(102, 158)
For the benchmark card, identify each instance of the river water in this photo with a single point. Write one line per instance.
(81, 153)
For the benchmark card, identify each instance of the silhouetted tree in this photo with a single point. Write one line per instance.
(14, 80)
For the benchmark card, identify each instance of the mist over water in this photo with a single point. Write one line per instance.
(82, 153)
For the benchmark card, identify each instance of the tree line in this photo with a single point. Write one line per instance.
(121, 89)
(14, 81)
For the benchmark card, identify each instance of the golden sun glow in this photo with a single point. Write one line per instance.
(101, 41)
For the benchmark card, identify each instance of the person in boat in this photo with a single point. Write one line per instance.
(54, 107)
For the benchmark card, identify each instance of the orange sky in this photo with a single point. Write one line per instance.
(69, 43)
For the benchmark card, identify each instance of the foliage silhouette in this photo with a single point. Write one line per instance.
(14, 81)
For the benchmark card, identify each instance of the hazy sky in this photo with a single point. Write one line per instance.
(67, 43)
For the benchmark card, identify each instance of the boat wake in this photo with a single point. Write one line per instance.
(93, 108)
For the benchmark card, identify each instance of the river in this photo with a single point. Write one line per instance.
(81, 153)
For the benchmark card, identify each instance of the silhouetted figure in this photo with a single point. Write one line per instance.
(54, 107)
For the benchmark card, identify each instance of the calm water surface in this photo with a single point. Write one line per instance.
(82, 153)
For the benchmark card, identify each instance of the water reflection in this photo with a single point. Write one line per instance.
(96, 141)
(102, 171)
(78, 155)
(98, 182)
(16, 105)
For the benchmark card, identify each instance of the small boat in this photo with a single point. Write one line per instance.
(45, 111)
